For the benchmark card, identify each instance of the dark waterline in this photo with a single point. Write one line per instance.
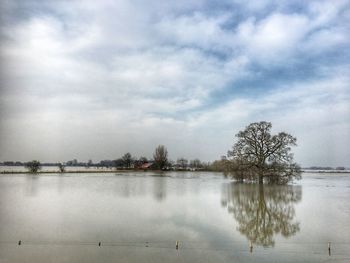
(138, 217)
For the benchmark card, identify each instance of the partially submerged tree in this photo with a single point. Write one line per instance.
(61, 167)
(33, 166)
(258, 154)
(160, 156)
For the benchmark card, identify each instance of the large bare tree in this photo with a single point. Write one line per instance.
(160, 156)
(263, 155)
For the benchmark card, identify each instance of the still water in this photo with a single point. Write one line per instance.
(138, 217)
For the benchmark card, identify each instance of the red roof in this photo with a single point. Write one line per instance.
(146, 165)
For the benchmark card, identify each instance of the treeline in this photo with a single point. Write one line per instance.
(128, 161)
(180, 163)
(225, 165)
(18, 163)
(159, 161)
(339, 168)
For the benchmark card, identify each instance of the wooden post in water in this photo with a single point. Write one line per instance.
(329, 248)
(99, 244)
(19, 242)
(177, 245)
(251, 246)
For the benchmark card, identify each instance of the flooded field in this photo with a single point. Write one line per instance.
(139, 217)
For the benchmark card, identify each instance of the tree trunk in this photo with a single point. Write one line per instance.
(261, 177)
(261, 194)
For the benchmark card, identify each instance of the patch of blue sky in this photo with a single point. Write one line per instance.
(262, 80)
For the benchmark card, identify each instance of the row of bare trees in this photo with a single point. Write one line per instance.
(160, 161)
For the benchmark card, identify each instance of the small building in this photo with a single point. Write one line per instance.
(147, 166)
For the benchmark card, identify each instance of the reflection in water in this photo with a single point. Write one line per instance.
(262, 211)
(60, 184)
(159, 188)
(123, 186)
(32, 185)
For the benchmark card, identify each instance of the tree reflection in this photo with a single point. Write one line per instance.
(159, 188)
(263, 211)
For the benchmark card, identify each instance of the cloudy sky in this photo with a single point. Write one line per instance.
(95, 79)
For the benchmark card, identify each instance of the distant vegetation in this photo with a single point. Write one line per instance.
(160, 157)
(160, 161)
(33, 166)
(339, 168)
(127, 160)
(61, 168)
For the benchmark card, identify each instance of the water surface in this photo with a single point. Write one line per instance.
(138, 217)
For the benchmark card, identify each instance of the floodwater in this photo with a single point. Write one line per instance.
(138, 217)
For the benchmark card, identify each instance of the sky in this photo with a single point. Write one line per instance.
(96, 79)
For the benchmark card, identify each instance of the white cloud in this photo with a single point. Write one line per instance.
(50, 62)
(269, 40)
(196, 30)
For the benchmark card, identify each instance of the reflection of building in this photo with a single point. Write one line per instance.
(262, 211)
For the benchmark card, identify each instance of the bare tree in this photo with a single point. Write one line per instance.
(182, 163)
(127, 160)
(196, 163)
(61, 168)
(89, 164)
(160, 156)
(265, 155)
(33, 166)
